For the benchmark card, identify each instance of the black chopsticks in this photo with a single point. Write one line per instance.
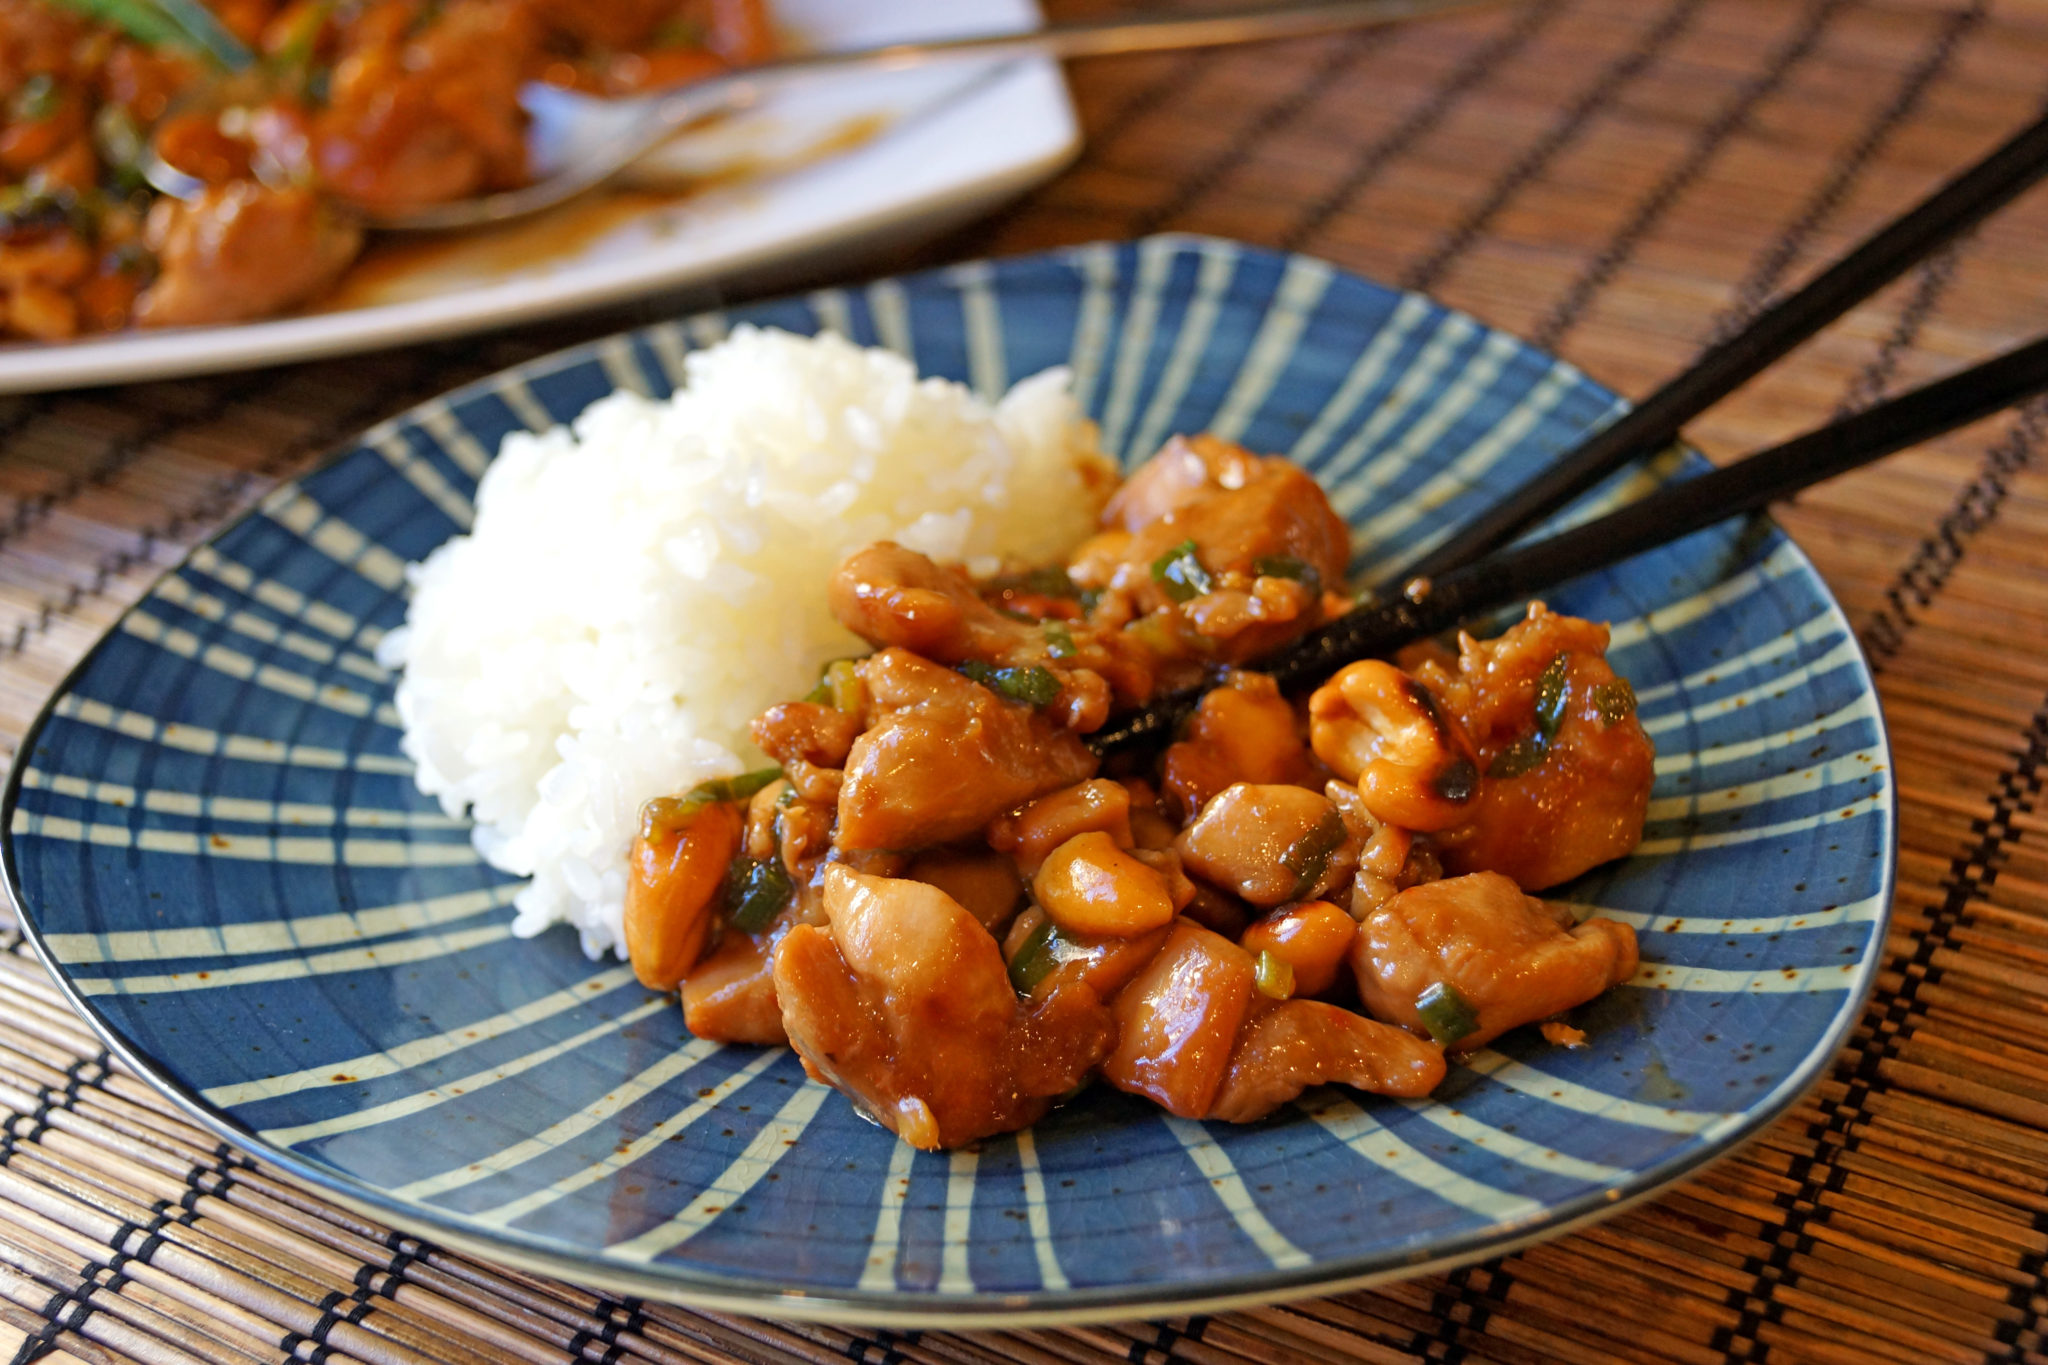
(1958, 205)
(1672, 512)
(1452, 582)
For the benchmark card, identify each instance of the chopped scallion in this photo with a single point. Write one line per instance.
(1616, 701)
(755, 893)
(1180, 574)
(1446, 1014)
(666, 814)
(1034, 685)
(739, 788)
(1308, 858)
(847, 689)
(1525, 755)
(1059, 640)
(839, 687)
(1274, 976)
(1551, 694)
(1034, 959)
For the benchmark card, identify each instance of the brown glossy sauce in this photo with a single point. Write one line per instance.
(402, 267)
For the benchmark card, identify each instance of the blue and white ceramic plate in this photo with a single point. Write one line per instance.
(223, 859)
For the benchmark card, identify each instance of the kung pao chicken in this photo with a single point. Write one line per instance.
(383, 104)
(958, 915)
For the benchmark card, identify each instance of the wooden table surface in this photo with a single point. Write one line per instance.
(1617, 180)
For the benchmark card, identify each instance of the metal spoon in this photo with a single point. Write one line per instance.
(576, 142)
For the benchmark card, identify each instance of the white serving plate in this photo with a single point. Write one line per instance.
(824, 170)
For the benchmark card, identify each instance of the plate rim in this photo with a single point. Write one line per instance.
(980, 1310)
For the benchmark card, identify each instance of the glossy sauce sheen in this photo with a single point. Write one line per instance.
(978, 919)
(633, 217)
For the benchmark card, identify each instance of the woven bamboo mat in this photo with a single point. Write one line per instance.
(1616, 179)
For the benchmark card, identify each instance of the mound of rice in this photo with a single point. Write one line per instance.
(637, 588)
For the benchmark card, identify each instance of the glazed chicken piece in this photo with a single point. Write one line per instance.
(729, 997)
(1244, 731)
(1566, 765)
(983, 883)
(1043, 956)
(1177, 1021)
(424, 106)
(242, 251)
(1228, 553)
(1312, 939)
(810, 742)
(1288, 1046)
(35, 39)
(904, 1002)
(944, 756)
(674, 872)
(1465, 959)
(1270, 844)
(888, 595)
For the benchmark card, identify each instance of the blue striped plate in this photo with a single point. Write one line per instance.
(222, 857)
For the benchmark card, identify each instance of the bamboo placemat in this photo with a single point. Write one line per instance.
(1619, 180)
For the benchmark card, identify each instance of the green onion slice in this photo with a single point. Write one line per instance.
(1034, 685)
(1059, 640)
(755, 893)
(1446, 1014)
(838, 686)
(1616, 701)
(1308, 858)
(1274, 976)
(1180, 575)
(1034, 958)
(1525, 755)
(667, 814)
(1551, 695)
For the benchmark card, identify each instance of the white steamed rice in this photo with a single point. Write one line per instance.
(637, 588)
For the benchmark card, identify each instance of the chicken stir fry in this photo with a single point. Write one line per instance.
(372, 103)
(958, 915)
